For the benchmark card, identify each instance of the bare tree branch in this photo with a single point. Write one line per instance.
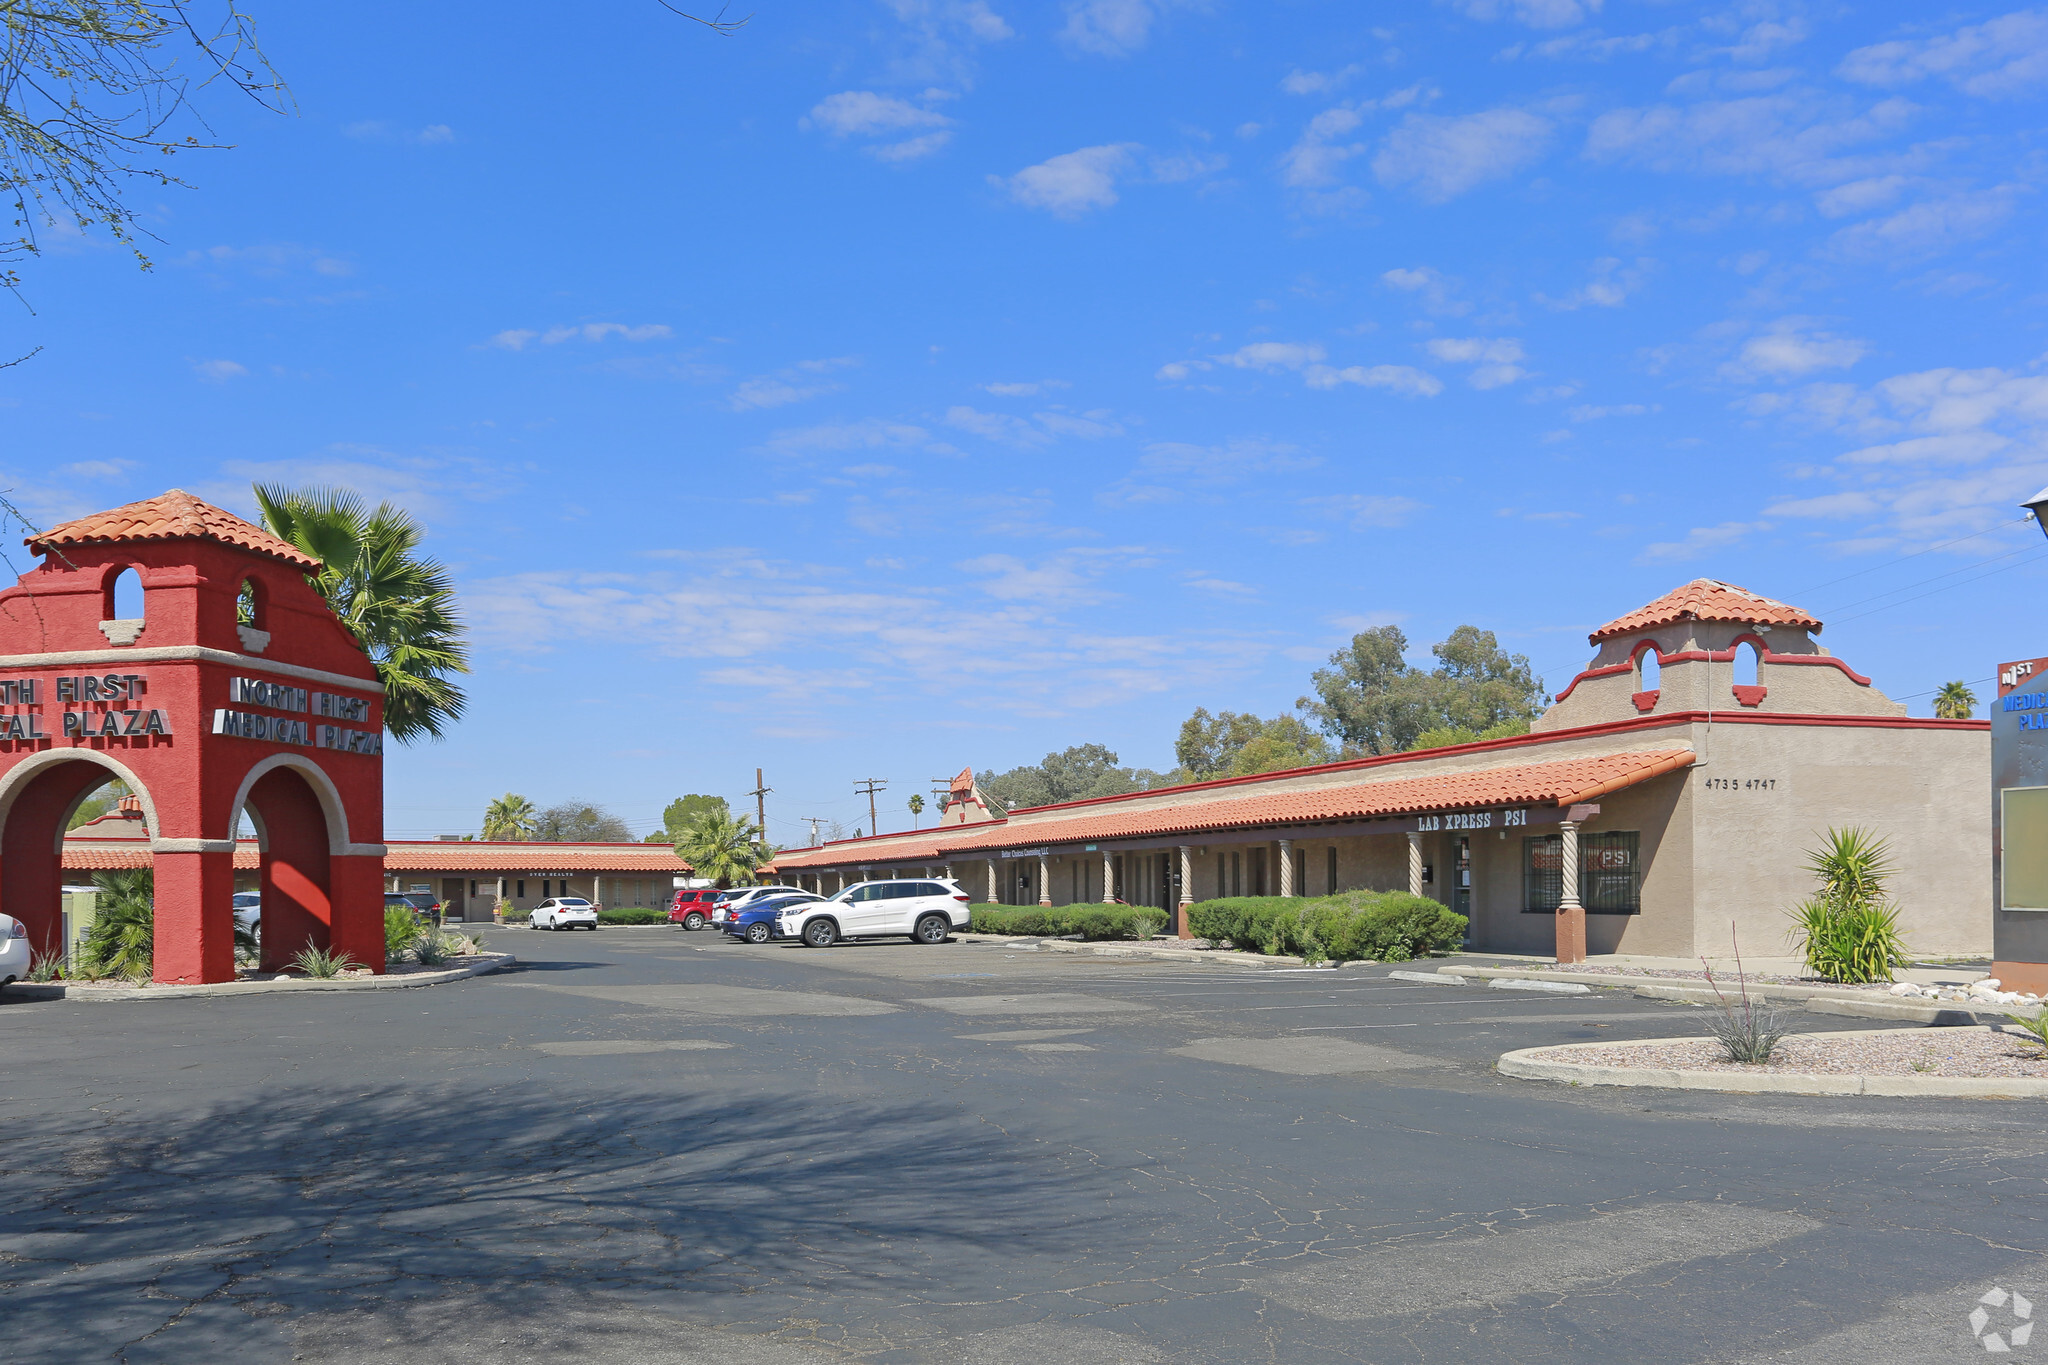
(718, 24)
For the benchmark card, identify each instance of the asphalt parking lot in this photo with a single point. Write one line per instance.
(650, 1146)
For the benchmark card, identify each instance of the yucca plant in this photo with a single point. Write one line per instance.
(431, 950)
(2035, 1026)
(1751, 1032)
(46, 967)
(321, 965)
(122, 940)
(1848, 932)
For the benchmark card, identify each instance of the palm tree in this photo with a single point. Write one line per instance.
(122, 940)
(725, 848)
(399, 605)
(1955, 701)
(509, 817)
(916, 808)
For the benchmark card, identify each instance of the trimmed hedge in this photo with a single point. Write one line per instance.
(632, 916)
(1089, 921)
(1381, 926)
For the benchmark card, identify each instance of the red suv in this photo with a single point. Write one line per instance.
(692, 909)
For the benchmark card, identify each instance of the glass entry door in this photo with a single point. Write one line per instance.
(1461, 883)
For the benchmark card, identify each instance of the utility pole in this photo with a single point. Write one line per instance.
(816, 820)
(871, 785)
(760, 795)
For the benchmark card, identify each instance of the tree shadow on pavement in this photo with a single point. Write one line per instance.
(146, 1229)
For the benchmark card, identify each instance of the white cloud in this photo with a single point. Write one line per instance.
(1313, 161)
(1699, 541)
(517, 339)
(871, 434)
(1111, 28)
(1043, 428)
(1791, 136)
(1497, 358)
(940, 38)
(1613, 281)
(769, 391)
(1442, 157)
(2001, 58)
(1831, 505)
(864, 112)
(1167, 471)
(1024, 389)
(1956, 447)
(1790, 349)
(1534, 13)
(1273, 355)
(219, 371)
(1588, 413)
(375, 130)
(1071, 184)
(1401, 379)
(1068, 579)
(1299, 82)
(1929, 227)
(1366, 511)
(270, 260)
(1434, 288)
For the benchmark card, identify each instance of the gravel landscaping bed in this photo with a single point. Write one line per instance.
(1947, 1052)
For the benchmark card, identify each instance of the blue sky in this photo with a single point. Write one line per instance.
(905, 384)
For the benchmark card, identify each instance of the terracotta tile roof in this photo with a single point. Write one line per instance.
(1705, 599)
(175, 515)
(1560, 782)
(438, 856)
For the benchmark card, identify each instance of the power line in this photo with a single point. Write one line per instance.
(1974, 564)
(1978, 579)
(1796, 592)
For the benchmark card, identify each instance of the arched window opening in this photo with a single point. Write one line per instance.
(1649, 672)
(1748, 658)
(249, 605)
(124, 597)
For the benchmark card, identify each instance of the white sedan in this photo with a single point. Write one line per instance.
(14, 953)
(563, 912)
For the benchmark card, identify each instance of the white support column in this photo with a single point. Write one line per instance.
(1044, 880)
(1108, 878)
(947, 871)
(1187, 891)
(1414, 864)
(992, 896)
(1571, 916)
(1286, 867)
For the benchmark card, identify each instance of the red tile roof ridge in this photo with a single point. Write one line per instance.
(176, 515)
(1558, 782)
(1707, 599)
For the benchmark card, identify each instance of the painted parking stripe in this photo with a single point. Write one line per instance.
(1554, 1258)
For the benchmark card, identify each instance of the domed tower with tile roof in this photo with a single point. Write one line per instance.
(1712, 646)
(234, 690)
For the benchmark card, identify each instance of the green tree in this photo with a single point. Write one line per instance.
(580, 822)
(1436, 737)
(1072, 774)
(679, 813)
(722, 847)
(509, 818)
(1239, 744)
(916, 804)
(399, 604)
(95, 93)
(1374, 702)
(1955, 701)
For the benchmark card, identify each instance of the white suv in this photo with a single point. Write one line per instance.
(925, 911)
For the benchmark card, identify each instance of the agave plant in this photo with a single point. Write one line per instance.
(321, 965)
(122, 939)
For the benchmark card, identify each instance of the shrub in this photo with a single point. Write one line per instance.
(1750, 1031)
(47, 967)
(1849, 931)
(122, 939)
(402, 932)
(632, 916)
(1384, 926)
(1089, 921)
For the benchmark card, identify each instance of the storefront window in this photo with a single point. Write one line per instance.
(1610, 881)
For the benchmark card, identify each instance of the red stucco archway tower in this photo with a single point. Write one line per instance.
(205, 715)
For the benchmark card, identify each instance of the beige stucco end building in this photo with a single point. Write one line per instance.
(1710, 742)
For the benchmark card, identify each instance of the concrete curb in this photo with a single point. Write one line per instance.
(107, 994)
(1820, 999)
(1521, 1064)
(1222, 957)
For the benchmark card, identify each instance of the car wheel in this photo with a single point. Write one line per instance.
(931, 929)
(821, 933)
(693, 921)
(533, 924)
(757, 933)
